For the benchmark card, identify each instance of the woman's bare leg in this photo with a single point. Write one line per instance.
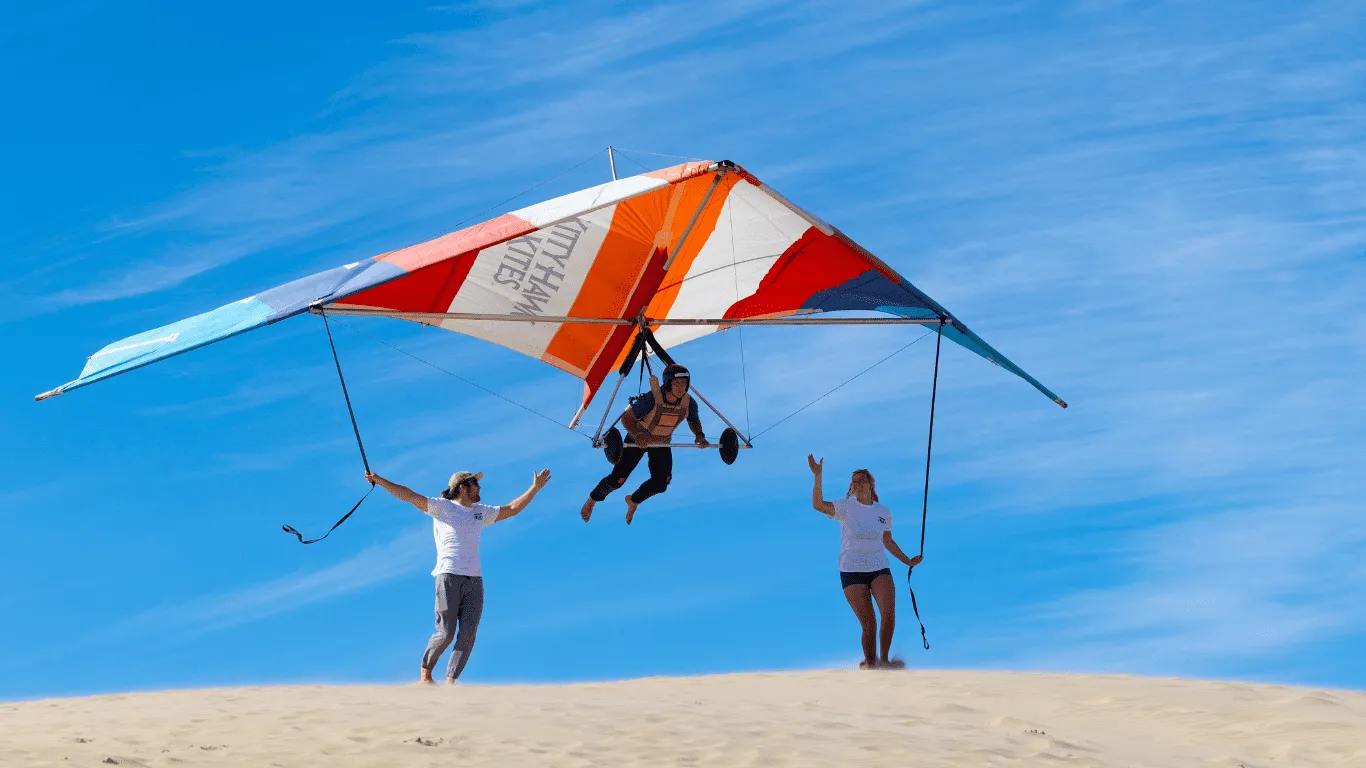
(860, 599)
(884, 592)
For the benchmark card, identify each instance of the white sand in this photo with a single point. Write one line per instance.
(831, 718)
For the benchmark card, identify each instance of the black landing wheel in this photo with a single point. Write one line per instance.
(730, 445)
(611, 445)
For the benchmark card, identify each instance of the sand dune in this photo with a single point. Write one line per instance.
(833, 718)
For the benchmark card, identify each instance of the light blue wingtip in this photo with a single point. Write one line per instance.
(962, 336)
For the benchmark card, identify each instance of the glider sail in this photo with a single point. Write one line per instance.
(686, 250)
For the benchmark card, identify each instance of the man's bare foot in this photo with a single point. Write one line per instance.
(450, 681)
(630, 508)
(586, 511)
(426, 677)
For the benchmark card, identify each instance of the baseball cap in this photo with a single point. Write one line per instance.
(460, 477)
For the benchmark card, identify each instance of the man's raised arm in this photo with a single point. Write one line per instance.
(401, 492)
(538, 481)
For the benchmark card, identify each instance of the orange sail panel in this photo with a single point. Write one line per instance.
(700, 241)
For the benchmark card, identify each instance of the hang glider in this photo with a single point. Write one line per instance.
(683, 251)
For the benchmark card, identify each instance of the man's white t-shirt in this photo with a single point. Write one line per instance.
(861, 527)
(456, 529)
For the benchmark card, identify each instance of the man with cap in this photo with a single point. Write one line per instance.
(458, 519)
(650, 420)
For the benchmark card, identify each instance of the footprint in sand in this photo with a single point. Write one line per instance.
(992, 753)
(1315, 700)
(1068, 746)
(1014, 724)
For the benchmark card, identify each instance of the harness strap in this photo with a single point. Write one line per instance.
(291, 529)
(654, 344)
(355, 429)
(644, 363)
(654, 421)
(916, 608)
(929, 441)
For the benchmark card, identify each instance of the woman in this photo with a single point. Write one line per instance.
(865, 532)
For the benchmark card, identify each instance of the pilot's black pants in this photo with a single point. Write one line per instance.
(661, 472)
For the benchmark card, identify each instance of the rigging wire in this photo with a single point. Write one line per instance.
(453, 374)
(531, 188)
(735, 272)
(632, 159)
(846, 381)
(657, 154)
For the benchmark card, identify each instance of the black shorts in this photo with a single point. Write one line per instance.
(866, 578)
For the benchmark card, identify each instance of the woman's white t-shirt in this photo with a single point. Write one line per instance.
(861, 528)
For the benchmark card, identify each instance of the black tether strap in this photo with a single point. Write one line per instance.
(644, 338)
(925, 502)
(359, 444)
(644, 361)
(654, 344)
(290, 529)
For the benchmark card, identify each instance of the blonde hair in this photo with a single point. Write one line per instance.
(872, 484)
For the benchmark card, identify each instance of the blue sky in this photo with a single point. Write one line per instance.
(1155, 208)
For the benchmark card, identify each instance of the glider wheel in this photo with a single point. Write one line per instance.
(730, 446)
(611, 445)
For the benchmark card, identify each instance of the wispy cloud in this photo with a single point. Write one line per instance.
(405, 554)
(418, 162)
(1260, 581)
(255, 392)
(24, 498)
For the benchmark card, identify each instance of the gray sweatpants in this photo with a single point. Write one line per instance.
(459, 603)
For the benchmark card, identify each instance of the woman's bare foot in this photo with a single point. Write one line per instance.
(586, 511)
(892, 664)
(630, 508)
(866, 664)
